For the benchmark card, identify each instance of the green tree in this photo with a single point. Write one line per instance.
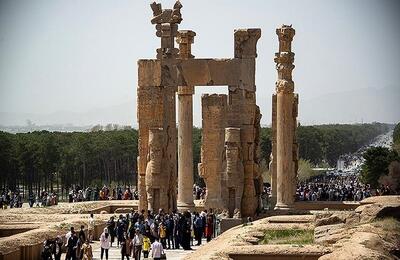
(377, 161)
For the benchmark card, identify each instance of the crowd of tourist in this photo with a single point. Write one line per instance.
(136, 234)
(10, 199)
(79, 194)
(14, 199)
(333, 188)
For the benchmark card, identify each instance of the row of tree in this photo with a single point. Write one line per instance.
(42, 160)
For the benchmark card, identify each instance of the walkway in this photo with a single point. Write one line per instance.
(114, 253)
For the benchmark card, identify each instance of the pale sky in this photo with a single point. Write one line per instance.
(78, 56)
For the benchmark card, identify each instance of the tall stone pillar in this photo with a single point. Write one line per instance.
(284, 123)
(214, 110)
(185, 129)
(272, 168)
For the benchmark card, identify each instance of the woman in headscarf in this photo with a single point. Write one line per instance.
(105, 243)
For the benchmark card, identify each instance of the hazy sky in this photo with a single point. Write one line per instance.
(68, 55)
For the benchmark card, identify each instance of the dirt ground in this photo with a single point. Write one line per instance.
(49, 222)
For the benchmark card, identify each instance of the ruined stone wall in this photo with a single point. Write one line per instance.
(245, 49)
(214, 114)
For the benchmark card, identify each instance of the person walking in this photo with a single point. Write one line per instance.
(146, 246)
(72, 246)
(91, 225)
(125, 246)
(157, 250)
(170, 231)
(120, 229)
(111, 226)
(209, 227)
(58, 248)
(137, 244)
(87, 252)
(105, 243)
(162, 233)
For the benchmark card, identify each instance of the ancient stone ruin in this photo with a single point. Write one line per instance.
(230, 153)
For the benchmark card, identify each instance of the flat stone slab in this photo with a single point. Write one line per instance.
(292, 219)
(283, 250)
(393, 199)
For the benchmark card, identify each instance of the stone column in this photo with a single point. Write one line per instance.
(272, 167)
(185, 129)
(284, 125)
(185, 148)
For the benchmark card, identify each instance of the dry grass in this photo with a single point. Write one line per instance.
(288, 236)
(387, 224)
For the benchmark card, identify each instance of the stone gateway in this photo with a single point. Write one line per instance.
(230, 150)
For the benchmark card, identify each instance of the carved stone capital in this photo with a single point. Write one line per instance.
(285, 34)
(284, 57)
(246, 42)
(166, 15)
(185, 37)
(284, 86)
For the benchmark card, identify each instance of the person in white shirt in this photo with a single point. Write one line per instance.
(68, 235)
(91, 228)
(157, 250)
(105, 243)
(137, 243)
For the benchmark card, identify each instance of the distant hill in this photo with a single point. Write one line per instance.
(367, 105)
(124, 114)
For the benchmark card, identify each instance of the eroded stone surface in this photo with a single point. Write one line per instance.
(284, 125)
(229, 165)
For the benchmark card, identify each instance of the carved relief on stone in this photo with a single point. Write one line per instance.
(214, 110)
(234, 174)
(154, 170)
(257, 153)
(150, 115)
